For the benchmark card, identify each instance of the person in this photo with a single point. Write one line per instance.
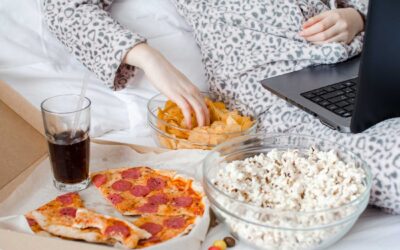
(108, 49)
(242, 42)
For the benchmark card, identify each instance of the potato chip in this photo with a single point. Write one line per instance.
(232, 125)
(170, 104)
(225, 124)
(199, 135)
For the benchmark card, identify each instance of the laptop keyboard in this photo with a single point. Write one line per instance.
(338, 98)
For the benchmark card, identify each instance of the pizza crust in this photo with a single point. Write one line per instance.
(66, 231)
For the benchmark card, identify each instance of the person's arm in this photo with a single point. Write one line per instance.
(111, 51)
(170, 81)
(337, 25)
(93, 37)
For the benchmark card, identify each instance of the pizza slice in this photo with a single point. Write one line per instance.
(142, 190)
(66, 201)
(67, 218)
(163, 228)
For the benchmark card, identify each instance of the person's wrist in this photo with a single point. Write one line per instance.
(359, 20)
(141, 56)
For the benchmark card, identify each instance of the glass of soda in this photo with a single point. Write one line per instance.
(67, 122)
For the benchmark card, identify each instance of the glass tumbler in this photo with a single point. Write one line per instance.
(66, 121)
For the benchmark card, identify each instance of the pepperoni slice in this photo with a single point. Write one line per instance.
(155, 183)
(66, 199)
(158, 199)
(121, 185)
(148, 208)
(115, 198)
(99, 179)
(31, 222)
(140, 191)
(68, 211)
(132, 173)
(184, 201)
(152, 228)
(175, 222)
(118, 229)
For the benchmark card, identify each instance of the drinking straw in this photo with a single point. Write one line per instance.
(85, 84)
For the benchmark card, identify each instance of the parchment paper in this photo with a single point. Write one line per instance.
(38, 188)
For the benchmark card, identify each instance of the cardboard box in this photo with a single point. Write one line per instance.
(22, 148)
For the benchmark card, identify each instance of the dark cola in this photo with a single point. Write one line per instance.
(70, 157)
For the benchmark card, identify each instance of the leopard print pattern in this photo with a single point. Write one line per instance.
(245, 41)
(242, 42)
(93, 37)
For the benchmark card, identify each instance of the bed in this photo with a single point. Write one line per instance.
(37, 66)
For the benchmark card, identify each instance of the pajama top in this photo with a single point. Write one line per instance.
(242, 42)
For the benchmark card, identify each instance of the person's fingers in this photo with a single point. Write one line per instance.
(340, 38)
(325, 35)
(318, 27)
(204, 107)
(186, 110)
(192, 91)
(198, 110)
(315, 19)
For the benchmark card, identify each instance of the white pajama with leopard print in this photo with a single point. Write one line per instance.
(242, 42)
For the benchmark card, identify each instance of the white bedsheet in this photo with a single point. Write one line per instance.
(37, 66)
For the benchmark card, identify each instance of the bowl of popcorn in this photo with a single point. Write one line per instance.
(286, 191)
(167, 122)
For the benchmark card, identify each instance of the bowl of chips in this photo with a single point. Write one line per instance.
(167, 122)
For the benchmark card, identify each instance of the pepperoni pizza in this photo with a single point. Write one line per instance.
(142, 190)
(66, 217)
(166, 205)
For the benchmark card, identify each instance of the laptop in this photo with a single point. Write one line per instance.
(356, 94)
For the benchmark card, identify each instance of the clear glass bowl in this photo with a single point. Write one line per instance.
(165, 140)
(267, 228)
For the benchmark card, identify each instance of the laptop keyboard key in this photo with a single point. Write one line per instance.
(351, 95)
(324, 103)
(342, 104)
(348, 90)
(329, 89)
(308, 95)
(347, 114)
(338, 99)
(340, 111)
(317, 99)
(332, 107)
(349, 108)
(338, 86)
(319, 92)
(332, 94)
(349, 84)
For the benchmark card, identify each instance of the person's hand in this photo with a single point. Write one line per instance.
(338, 25)
(171, 82)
